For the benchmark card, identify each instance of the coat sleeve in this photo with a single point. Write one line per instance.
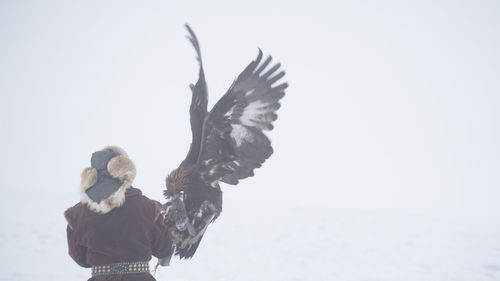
(161, 244)
(76, 251)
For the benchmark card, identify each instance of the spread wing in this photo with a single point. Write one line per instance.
(228, 143)
(233, 141)
(198, 108)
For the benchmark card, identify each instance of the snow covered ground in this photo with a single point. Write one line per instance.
(287, 243)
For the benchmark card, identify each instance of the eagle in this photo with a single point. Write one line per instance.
(228, 143)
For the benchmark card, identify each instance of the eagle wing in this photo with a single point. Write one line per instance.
(187, 240)
(198, 108)
(233, 141)
(228, 144)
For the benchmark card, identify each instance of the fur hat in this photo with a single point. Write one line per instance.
(104, 184)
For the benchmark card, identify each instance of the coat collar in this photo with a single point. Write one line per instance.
(132, 191)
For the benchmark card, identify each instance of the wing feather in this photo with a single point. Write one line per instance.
(234, 143)
(199, 102)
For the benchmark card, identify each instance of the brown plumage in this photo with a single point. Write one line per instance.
(177, 180)
(228, 143)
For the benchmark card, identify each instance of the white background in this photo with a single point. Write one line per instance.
(390, 127)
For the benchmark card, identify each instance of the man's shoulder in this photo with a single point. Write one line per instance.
(73, 208)
(153, 207)
(134, 192)
(72, 212)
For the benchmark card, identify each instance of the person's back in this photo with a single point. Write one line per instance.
(115, 229)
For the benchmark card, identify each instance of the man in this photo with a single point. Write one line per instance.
(115, 229)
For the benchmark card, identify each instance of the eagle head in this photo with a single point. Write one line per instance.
(177, 182)
(185, 183)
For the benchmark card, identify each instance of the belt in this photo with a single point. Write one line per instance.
(121, 268)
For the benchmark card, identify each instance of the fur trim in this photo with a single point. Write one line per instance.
(115, 200)
(89, 178)
(120, 167)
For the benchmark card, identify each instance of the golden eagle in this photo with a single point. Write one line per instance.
(228, 143)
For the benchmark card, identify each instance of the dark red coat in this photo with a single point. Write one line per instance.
(130, 233)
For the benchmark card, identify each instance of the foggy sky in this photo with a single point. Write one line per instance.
(392, 105)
